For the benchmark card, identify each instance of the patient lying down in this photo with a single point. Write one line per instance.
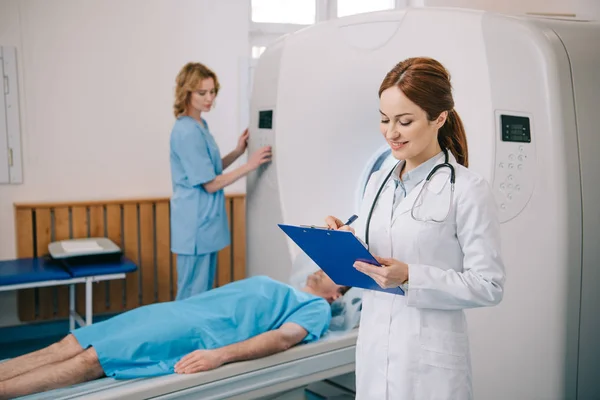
(243, 320)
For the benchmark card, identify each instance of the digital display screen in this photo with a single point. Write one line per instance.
(515, 129)
(265, 119)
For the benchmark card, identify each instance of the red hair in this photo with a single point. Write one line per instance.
(427, 84)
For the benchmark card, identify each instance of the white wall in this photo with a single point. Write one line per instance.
(96, 84)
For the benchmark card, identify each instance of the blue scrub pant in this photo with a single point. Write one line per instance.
(195, 274)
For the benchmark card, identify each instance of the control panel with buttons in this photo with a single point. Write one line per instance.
(515, 162)
(264, 136)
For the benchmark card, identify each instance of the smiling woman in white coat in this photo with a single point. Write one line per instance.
(433, 226)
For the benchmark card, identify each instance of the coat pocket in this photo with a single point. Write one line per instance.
(444, 342)
(444, 371)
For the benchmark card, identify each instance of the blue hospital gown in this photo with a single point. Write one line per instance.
(148, 341)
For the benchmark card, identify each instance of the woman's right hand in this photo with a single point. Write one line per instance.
(336, 224)
(259, 157)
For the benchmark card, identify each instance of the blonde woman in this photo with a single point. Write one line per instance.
(199, 226)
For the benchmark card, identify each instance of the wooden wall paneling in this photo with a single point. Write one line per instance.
(43, 237)
(163, 251)
(114, 229)
(238, 233)
(62, 232)
(25, 249)
(79, 230)
(224, 257)
(97, 229)
(131, 245)
(141, 228)
(147, 261)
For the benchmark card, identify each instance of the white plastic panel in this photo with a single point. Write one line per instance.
(10, 129)
(266, 243)
(514, 174)
(527, 334)
(585, 62)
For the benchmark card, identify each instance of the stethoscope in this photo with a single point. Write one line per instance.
(445, 164)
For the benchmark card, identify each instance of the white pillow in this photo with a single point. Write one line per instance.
(346, 310)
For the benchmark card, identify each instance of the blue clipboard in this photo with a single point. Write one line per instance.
(335, 253)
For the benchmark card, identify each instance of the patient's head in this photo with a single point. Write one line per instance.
(319, 284)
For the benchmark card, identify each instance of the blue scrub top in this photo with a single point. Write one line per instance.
(149, 340)
(198, 218)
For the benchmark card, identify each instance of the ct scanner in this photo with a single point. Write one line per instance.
(527, 90)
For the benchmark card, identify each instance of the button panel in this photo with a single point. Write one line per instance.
(514, 167)
(264, 136)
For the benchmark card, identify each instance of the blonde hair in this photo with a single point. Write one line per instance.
(187, 81)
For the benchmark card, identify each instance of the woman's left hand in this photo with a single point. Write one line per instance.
(242, 142)
(391, 274)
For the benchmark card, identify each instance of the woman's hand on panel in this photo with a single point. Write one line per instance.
(259, 157)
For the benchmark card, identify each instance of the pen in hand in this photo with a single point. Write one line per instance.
(351, 220)
(335, 223)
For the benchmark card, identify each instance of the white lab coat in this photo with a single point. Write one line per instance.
(415, 347)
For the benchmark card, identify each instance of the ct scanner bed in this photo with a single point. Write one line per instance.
(301, 365)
